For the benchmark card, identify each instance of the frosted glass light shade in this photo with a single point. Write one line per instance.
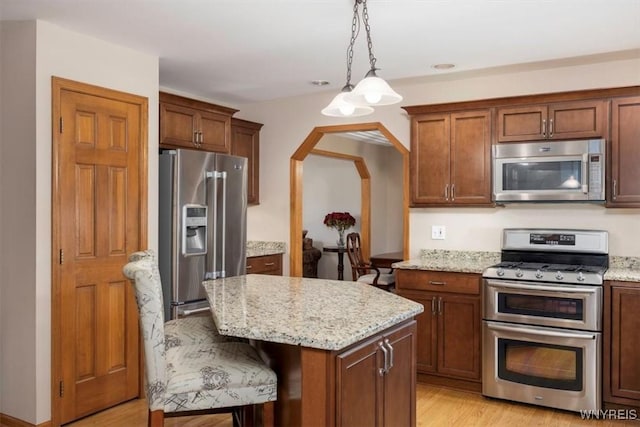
(372, 90)
(339, 107)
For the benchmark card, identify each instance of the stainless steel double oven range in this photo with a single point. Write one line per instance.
(542, 318)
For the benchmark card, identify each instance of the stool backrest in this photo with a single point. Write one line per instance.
(145, 277)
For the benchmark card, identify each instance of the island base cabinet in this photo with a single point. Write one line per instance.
(376, 381)
(347, 387)
(621, 366)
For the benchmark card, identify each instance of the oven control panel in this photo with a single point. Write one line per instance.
(530, 239)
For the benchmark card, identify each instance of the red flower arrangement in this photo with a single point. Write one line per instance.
(339, 220)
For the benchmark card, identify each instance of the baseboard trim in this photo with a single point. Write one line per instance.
(9, 421)
(458, 384)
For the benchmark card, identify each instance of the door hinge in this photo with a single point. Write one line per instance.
(61, 256)
(61, 124)
(61, 389)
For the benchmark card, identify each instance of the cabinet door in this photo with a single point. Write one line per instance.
(471, 158)
(624, 333)
(400, 380)
(429, 160)
(359, 385)
(216, 131)
(459, 336)
(624, 182)
(522, 123)
(266, 264)
(427, 332)
(580, 119)
(178, 126)
(245, 142)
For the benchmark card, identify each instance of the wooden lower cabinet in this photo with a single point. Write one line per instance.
(449, 330)
(369, 394)
(621, 361)
(265, 264)
(346, 388)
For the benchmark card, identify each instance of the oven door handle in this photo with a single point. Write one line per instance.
(546, 333)
(576, 290)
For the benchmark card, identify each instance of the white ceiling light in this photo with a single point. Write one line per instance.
(372, 90)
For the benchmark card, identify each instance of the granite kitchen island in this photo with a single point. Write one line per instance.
(344, 352)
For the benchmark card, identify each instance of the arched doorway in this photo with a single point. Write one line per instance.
(296, 194)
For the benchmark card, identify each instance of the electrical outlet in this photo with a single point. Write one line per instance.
(438, 232)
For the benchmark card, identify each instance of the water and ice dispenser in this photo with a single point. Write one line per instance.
(194, 230)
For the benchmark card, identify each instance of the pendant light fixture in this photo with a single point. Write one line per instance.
(339, 107)
(372, 90)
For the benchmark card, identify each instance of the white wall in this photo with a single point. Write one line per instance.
(58, 52)
(18, 293)
(288, 122)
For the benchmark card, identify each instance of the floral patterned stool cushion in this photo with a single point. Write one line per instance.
(216, 376)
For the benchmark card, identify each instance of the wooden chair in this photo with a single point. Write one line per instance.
(218, 377)
(362, 270)
(186, 330)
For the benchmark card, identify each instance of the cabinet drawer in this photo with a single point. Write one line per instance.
(438, 281)
(267, 264)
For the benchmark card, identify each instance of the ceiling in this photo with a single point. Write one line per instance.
(244, 51)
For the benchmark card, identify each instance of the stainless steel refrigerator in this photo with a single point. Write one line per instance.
(202, 225)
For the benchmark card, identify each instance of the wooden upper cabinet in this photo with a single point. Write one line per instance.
(562, 120)
(451, 159)
(188, 123)
(430, 158)
(245, 142)
(624, 165)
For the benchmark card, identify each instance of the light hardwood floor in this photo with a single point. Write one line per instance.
(436, 406)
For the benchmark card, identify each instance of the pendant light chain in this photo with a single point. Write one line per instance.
(371, 90)
(355, 30)
(365, 18)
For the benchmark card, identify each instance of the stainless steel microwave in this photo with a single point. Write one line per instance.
(549, 171)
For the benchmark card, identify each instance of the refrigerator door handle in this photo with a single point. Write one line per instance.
(214, 226)
(223, 176)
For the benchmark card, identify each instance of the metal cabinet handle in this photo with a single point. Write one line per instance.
(440, 305)
(615, 190)
(433, 306)
(249, 267)
(390, 347)
(201, 138)
(269, 264)
(544, 128)
(453, 192)
(550, 128)
(446, 192)
(195, 138)
(433, 282)
(382, 371)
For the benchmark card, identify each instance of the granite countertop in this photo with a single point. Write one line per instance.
(625, 269)
(447, 260)
(258, 248)
(317, 313)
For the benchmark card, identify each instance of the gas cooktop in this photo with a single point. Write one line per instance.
(560, 256)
